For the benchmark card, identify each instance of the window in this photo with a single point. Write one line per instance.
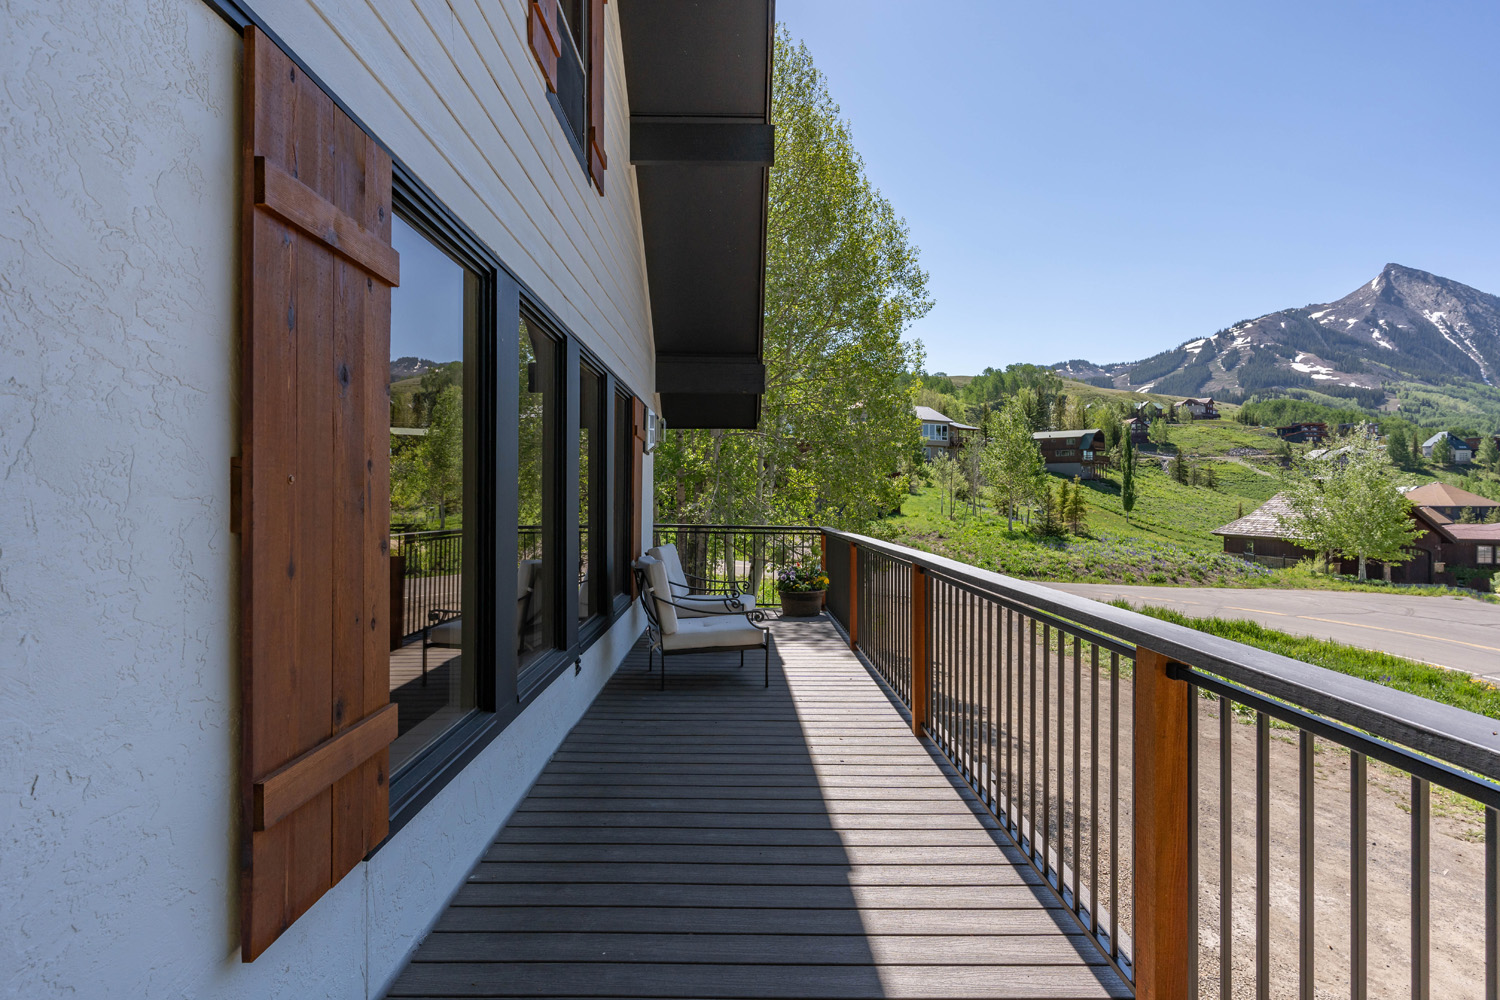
(626, 513)
(536, 461)
(572, 88)
(1250, 546)
(593, 492)
(433, 512)
(1484, 555)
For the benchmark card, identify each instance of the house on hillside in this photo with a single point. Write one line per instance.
(245, 776)
(1462, 453)
(1138, 428)
(1475, 442)
(1200, 409)
(1304, 432)
(1149, 410)
(1362, 427)
(1070, 453)
(1445, 552)
(941, 434)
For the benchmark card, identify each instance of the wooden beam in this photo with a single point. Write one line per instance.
(279, 793)
(286, 197)
(708, 373)
(664, 141)
(918, 649)
(1161, 832)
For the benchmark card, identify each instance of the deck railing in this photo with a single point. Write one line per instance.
(1082, 727)
(748, 555)
(428, 567)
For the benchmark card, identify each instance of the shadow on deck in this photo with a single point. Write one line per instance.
(720, 839)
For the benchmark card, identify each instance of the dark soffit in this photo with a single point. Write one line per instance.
(698, 76)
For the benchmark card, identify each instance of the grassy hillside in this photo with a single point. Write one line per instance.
(1167, 539)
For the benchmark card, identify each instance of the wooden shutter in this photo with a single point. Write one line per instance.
(541, 32)
(596, 72)
(314, 505)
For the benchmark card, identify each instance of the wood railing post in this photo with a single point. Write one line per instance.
(853, 595)
(1163, 838)
(918, 649)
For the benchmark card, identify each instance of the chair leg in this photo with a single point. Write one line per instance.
(650, 658)
(742, 657)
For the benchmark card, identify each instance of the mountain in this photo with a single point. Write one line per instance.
(1405, 326)
(410, 367)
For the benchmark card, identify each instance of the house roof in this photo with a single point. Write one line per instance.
(1454, 441)
(931, 416)
(1261, 522)
(964, 427)
(1079, 436)
(1205, 401)
(1443, 495)
(1485, 533)
(1318, 453)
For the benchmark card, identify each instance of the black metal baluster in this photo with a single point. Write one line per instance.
(1421, 887)
(1359, 887)
(1114, 805)
(1305, 774)
(1491, 904)
(1262, 856)
(1193, 820)
(1226, 848)
(1094, 790)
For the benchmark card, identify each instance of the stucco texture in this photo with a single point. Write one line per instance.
(118, 687)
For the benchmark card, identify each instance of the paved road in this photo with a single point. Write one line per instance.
(1457, 632)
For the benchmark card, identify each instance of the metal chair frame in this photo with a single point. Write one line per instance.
(732, 606)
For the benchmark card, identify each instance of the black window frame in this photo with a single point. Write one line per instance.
(501, 697)
(571, 48)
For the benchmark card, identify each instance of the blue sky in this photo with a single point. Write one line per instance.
(427, 308)
(1106, 180)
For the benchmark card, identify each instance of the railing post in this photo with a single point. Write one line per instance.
(853, 595)
(1162, 838)
(918, 649)
(823, 558)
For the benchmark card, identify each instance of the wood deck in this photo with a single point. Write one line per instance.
(723, 840)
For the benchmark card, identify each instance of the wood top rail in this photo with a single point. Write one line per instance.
(1464, 739)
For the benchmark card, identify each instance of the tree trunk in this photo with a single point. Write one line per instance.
(1387, 567)
(1362, 567)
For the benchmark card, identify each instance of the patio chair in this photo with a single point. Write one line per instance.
(693, 591)
(708, 630)
(444, 629)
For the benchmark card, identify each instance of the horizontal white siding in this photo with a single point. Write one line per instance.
(452, 88)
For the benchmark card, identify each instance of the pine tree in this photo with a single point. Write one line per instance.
(1210, 476)
(1077, 508)
(1488, 456)
(1442, 452)
(1396, 444)
(1416, 449)
(1467, 516)
(1127, 479)
(1179, 468)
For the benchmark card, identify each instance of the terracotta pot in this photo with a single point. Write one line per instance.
(802, 603)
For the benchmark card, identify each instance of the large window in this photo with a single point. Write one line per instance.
(434, 315)
(536, 555)
(572, 66)
(626, 514)
(593, 494)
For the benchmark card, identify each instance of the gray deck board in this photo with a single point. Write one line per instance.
(720, 839)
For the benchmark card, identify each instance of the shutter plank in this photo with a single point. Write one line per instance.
(541, 34)
(349, 510)
(314, 457)
(313, 502)
(598, 68)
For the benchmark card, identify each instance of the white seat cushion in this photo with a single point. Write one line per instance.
(723, 630)
(449, 633)
(659, 593)
(710, 603)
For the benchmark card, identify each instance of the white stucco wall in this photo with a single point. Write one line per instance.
(118, 310)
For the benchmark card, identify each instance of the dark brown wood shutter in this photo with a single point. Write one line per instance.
(314, 503)
(596, 70)
(541, 32)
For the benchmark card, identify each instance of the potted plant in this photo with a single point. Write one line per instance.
(802, 588)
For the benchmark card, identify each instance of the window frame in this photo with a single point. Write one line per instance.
(1484, 555)
(500, 698)
(578, 143)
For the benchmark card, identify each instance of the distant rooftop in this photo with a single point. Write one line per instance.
(1443, 495)
(931, 416)
(1261, 522)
